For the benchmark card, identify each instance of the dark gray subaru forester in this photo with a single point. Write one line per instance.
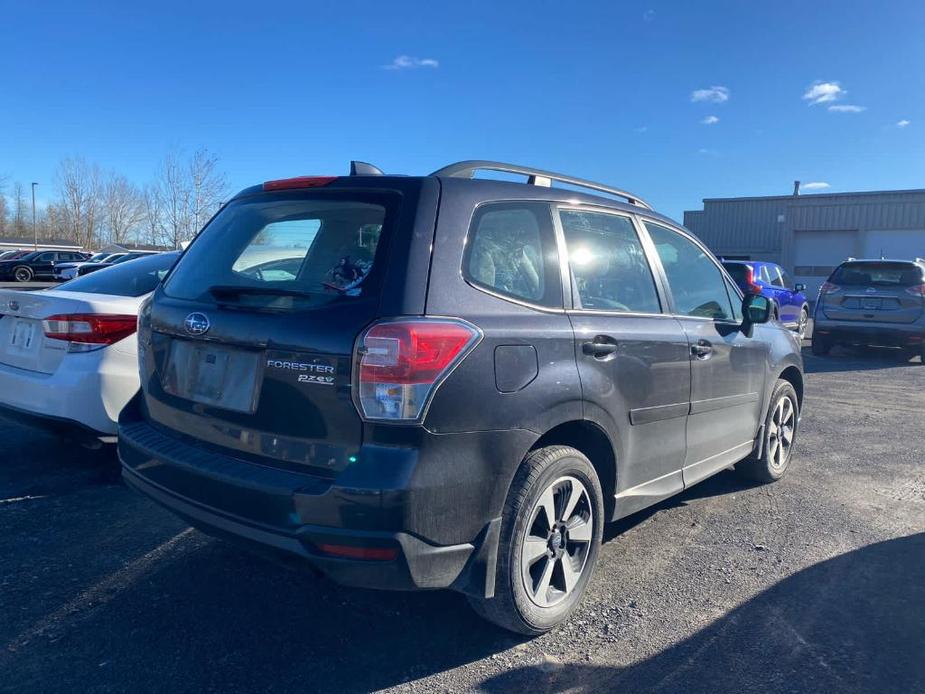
(415, 382)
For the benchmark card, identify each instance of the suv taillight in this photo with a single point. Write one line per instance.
(88, 331)
(401, 363)
(828, 288)
(750, 280)
(917, 290)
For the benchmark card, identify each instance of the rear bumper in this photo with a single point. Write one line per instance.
(883, 334)
(58, 426)
(434, 538)
(86, 390)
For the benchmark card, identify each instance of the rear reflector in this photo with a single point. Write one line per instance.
(89, 328)
(368, 553)
(299, 182)
(401, 364)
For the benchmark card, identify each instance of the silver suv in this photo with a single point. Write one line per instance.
(872, 302)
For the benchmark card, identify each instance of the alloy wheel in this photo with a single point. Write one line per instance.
(23, 275)
(804, 321)
(557, 542)
(780, 432)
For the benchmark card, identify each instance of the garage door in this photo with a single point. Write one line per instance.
(817, 253)
(902, 244)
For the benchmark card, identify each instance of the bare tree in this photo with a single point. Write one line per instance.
(4, 212)
(188, 193)
(80, 191)
(153, 220)
(20, 209)
(123, 208)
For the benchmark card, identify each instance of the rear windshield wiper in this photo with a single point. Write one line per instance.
(220, 291)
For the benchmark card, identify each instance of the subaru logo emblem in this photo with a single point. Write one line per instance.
(14, 305)
(197, 324)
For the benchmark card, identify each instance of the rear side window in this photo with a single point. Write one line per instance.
(697, 285)
(739, 272)
(511, 251)
(608, 265)
(134, 278)
(877, 274)
(288, 251)
(776, 279)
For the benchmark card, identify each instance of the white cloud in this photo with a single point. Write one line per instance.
(710, 120)
(648, 16)
(814, 185)
(641, 129)
(714, 95)
(708, 152)
(823, 92)
(903, 123)
(846, 108)
(407, 62)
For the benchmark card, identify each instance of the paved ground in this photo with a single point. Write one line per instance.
(812, 584)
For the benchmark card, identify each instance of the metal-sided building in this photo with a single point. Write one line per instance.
(809, 235)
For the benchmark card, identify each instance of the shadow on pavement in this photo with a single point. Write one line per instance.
(853, 623)
(857, 359)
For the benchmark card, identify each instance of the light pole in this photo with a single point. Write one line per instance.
(35, 235)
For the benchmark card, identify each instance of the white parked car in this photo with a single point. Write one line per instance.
(68, 271)
(69, 355)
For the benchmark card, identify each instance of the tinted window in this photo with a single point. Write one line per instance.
(697, 285)
(739, 272)
(609, 267)
(775, 277)
(877, 274)
(335, 238)
(134, 278)
(43, 257)
(511, 250)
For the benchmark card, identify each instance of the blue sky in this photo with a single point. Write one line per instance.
(603, 90)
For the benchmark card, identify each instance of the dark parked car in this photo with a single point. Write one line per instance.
(460, 384)
(772, 281)
(109, 262)
(872, 302)
(37, 265)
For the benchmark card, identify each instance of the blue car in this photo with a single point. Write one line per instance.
(772, 281)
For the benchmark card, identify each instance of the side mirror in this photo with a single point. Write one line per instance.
(756, 309)
(799, 287)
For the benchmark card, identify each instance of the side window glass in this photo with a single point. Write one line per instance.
(46, 257)
(608, 264)
(776, 279)
(697, 285)
(511, 251)
(736, 301)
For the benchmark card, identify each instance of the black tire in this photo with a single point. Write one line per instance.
(821, 346)
(803, 322)
(776, 451)
(513, 608)
(23, 273)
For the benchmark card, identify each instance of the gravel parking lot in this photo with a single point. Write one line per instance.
(816, 583)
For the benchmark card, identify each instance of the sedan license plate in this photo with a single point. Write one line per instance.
(212, 375)
(23, 336)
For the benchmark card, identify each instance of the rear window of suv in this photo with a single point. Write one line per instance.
(877, 274)
(286, 251)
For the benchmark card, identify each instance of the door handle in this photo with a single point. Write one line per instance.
(599, 349)
(702, 350)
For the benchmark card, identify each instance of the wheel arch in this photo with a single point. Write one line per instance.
(591, 439)
(795, 378)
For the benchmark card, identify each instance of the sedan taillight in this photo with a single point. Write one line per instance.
(401, 363)
(90, 329)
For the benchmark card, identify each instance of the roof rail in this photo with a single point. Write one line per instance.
(537, 177)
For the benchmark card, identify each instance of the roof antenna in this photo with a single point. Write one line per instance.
(362, 168)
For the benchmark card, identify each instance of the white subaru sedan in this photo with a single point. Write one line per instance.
(69, 355)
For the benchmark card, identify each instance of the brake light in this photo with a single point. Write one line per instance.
(401, 364)
(750, 280)
(828, 288)
(298, 182)
(89, 330)
(917, 290)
